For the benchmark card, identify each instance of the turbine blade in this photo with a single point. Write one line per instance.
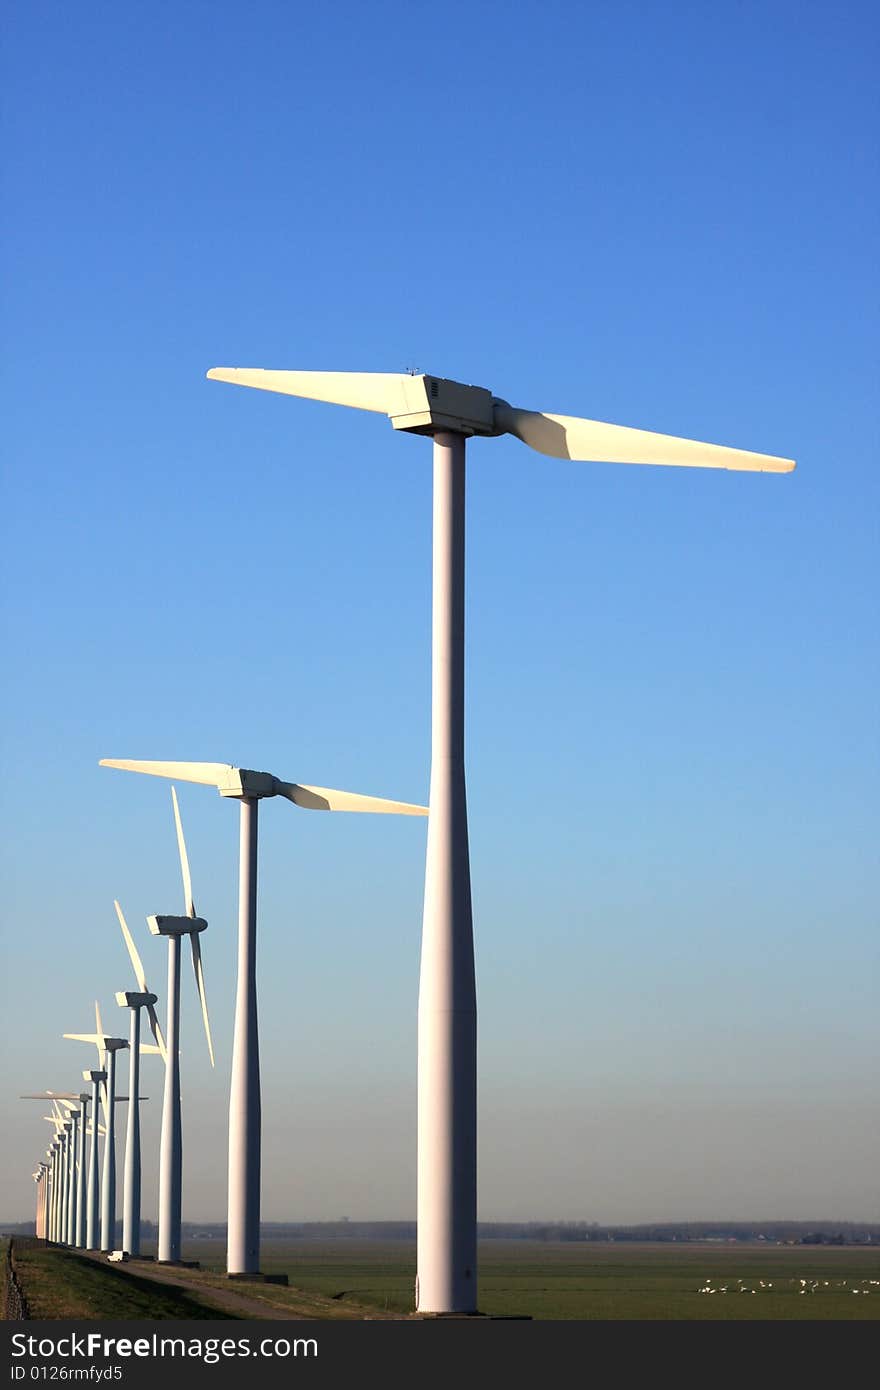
(53, 1095)
(134, 956)
(200, 983)
(208, 774)
(328, 799)
(99, 1028)
(153, 1051)
(188, 904)
(568, 437)
(157, 1032)
(96, 1038)
(384, 392)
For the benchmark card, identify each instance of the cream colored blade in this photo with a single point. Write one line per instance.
(141, 978)
(150, 1050)
(200, 984)
(328, 799)
(567, 437)
(209, 774)
(96, 1038)
(384, 392)
(102, 1055)
(157, 1034)
(134, 956)
(50, 1095)
(188, 904)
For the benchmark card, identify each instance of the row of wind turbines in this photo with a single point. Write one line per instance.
(449, 412)
(67, 1198)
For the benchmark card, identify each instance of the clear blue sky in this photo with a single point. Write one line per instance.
(660, 215)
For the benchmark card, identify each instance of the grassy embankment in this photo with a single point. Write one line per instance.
(61, 1284)
(64, 1284)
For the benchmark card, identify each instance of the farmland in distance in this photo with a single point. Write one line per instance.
(595, 1281)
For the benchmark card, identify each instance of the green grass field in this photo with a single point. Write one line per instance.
(568, 1281)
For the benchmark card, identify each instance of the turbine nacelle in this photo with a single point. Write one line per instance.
(175, 926)
(98, 1076)
(435, 403)
(101, 1041)
(131, 999)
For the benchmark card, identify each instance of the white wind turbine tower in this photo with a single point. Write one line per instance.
(57, 1184)
(97, 1077)
(450, 412)
(135, 1001)
(65, 1128)
(249, 788)
(41, 1178)
(52, 1155)
(171, 1141)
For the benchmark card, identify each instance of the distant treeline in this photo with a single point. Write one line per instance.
(799, 1232)
(786, 1232)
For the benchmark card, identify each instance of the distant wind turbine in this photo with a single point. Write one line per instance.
(451, 412)
(135, 1001)
(249, 788)
(171, 1141)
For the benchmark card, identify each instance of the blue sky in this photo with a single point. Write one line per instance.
(659, 215)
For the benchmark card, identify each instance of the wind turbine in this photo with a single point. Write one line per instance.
(41, 1178)
(171, 1141)
(451, 412)
(97, 1077)
(249, 788)
(52, 1155)
(131, 1182)
(73, 1184)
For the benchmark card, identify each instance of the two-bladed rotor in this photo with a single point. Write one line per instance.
(245, 782)
(428, 404)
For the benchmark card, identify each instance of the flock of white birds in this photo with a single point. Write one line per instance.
(806, 1285)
